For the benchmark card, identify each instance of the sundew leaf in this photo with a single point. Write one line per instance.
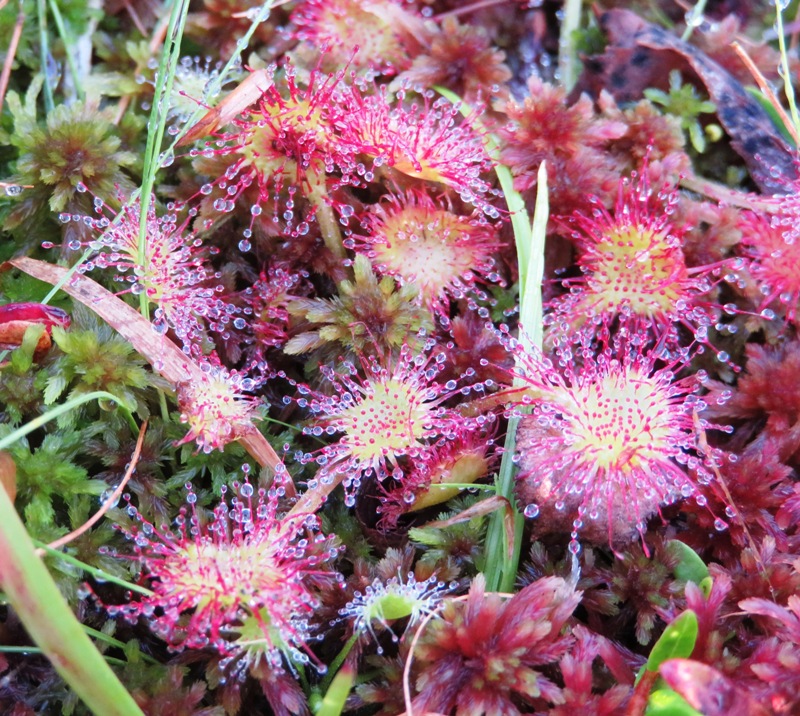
(677, 641)
(165, 357)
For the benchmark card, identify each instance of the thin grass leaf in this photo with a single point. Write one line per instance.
(50, 622)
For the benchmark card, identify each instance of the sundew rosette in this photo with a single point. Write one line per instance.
(384, 413)
(633, 268)
(422, 241)
(237, 580)
(612, 436)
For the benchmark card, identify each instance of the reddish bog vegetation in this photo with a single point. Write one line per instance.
(357, 448)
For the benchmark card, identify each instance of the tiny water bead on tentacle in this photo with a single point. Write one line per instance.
(384, 411)
(609, 441)
(237, 582)
(418, 240)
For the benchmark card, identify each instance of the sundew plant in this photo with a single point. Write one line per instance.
(393, 357)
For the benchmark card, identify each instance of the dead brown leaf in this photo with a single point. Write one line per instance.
(163, 355)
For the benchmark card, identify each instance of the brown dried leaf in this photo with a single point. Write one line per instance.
(162, 354)
(640, 53)
(238, 100)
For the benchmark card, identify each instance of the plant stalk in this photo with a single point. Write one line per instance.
(50, 622)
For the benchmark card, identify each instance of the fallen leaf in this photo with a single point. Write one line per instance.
(163, 355)
(641, 55)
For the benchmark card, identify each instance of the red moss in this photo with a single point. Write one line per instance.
(649, 136)
(570, 138)
(484, 654)
(461, 58)
(768, 386)
(580, 696)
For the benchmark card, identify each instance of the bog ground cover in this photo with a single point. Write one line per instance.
(399, 357)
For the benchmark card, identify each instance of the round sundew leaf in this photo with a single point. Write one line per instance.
(392, 606)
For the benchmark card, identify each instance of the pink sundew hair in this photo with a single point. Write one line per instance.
(415, 239)
(245, 564)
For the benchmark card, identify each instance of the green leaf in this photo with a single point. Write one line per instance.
(690, 567)
(335, 697)
(767, 106)
(666, 702)
(22, 357)
(55, 388)
(677, 641)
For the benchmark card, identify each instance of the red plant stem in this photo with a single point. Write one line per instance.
(66, 539)
(641, 693)
(10, 54)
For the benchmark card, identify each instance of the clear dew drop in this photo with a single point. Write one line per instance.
(531, 511)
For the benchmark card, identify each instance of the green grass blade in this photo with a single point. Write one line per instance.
(157, 126)
(53, 413)
(50, 622)
(502, 562)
